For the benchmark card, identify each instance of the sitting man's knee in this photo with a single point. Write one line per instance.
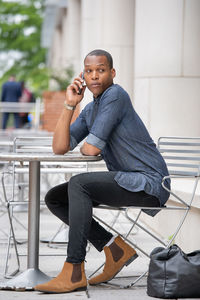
(79, 180)
(76, 179)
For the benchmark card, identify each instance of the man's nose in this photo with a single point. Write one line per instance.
(95, 75)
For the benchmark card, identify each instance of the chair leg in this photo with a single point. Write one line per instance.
(1, 215)
(11, 237)
(124, 237)
(143, 228)
(130, 285)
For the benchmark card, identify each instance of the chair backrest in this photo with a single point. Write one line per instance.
(182, 155)
(32, 144)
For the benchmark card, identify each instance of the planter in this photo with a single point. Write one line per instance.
(53, 106)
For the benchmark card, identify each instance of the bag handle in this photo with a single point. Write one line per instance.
(175, 249)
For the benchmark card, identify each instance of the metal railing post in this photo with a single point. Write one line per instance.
(37, 113)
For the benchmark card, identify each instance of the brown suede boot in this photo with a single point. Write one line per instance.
(118, 254)
(71, 278)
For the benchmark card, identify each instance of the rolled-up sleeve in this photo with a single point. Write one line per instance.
(78, 130)
(95, 141)
(110, 113)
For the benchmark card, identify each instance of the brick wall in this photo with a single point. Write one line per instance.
(53, 105)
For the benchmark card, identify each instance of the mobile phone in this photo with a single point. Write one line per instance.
(80, 89)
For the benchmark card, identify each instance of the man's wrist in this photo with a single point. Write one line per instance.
(69, 107)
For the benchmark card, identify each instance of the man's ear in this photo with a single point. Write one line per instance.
(113, 72)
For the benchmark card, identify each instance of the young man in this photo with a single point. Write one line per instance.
(113, 129)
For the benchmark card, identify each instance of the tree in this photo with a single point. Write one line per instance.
(20, 29)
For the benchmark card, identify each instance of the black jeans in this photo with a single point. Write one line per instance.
(72, 203)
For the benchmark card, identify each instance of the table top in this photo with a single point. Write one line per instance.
(6, 143)
(42, 156)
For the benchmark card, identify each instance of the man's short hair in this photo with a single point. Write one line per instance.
(99, 52)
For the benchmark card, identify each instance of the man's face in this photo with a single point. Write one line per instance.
(97, 74)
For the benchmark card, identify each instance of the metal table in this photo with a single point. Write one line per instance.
(33, 276)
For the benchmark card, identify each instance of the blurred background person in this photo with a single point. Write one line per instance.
(26, 97)
(11, 92)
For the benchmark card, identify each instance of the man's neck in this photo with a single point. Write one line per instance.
(102, 92)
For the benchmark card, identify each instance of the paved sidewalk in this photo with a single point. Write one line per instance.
(51, 265)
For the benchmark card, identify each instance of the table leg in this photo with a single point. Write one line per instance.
(32, 276)
(34, 214)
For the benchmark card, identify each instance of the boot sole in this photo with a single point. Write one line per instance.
(84, 288)
(128, 262)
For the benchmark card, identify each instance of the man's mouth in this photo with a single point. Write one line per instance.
(95, 85)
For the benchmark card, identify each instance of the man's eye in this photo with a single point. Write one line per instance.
(88, 71)
(101, 70)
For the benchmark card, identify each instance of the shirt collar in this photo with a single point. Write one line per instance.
(97, 99)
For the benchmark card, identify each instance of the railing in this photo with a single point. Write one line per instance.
(17, 107)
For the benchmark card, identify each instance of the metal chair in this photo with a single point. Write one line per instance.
(182, 156)
(6, 144)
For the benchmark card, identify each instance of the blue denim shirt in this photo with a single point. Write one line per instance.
(125, 143)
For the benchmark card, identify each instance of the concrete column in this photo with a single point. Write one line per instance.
(65, 48)
(109, 25)
(73, 34)
(56, 50)
(166, 66)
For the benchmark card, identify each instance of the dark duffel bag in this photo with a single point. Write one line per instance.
(173, 273)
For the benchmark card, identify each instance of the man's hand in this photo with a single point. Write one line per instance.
(73, 97)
